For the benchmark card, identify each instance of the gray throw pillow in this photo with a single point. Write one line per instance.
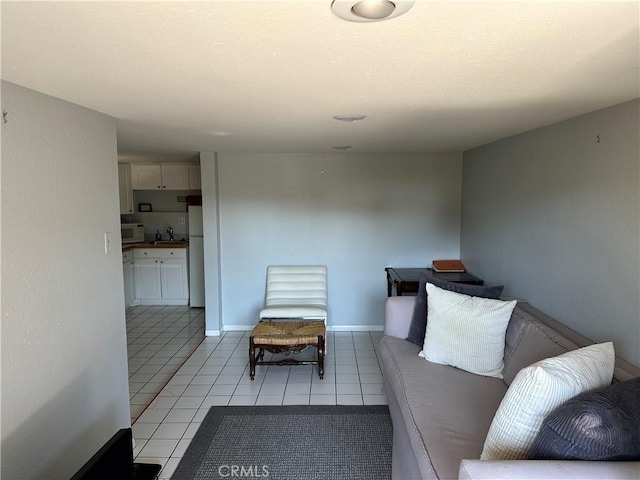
(418, 325)
(602, 424)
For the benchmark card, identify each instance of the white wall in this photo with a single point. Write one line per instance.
(64, 361)
(355, 213)
(211, 232)
(555, 216)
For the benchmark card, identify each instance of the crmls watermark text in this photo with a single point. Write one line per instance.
(242, 471)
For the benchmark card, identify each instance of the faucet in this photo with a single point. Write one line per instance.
(170, 232)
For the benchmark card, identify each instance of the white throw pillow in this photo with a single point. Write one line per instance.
(466, 332)
(540, 388)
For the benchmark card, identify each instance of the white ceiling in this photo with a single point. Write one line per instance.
(267, 76)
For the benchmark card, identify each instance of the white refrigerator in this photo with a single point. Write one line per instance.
(196, 257)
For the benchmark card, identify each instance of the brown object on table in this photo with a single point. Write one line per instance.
(448, 266)
(286, 338)
(406, 280)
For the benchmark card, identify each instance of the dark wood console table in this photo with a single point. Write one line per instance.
(406, 280)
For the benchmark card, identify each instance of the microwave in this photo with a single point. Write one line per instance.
(132, 232)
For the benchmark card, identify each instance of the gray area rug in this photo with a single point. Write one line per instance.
(298, 442)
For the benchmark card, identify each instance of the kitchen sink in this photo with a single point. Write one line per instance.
(169, 242)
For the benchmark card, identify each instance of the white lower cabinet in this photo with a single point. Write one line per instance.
(161, 276)
(128, 277)
(173, 278)
(147, 278)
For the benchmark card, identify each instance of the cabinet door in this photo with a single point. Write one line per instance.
(124, 184)
(174, 278)
(129, 285)
(146, 177)
(147, 278)
(175, 177)
(195, 183)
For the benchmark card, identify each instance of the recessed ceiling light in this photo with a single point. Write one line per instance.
(349, 118)
(370, 10)
(373, 9)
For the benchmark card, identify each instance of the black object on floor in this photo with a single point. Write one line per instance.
(114, 461)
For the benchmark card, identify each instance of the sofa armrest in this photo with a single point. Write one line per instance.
(547, 469)
(397, 316)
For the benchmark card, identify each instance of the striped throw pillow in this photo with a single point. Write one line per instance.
(466, 332)
(537, 390)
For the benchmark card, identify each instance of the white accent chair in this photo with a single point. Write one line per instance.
(296, 292)
(293, 318)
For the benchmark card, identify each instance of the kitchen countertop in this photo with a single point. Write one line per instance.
(130, 246)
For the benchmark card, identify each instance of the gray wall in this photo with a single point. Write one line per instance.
(64, 357)
(211, 232)
(555, 216)
(355, 213)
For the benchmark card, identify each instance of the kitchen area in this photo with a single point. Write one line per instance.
(163, 272)
(162, 237)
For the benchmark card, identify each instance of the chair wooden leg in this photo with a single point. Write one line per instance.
(252, 358)
(321, 356)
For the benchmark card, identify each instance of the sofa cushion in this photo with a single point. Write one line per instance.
(602, 424)
(537, 390)
(528, 341)
(446, 411)
(466, 332)
(419, 318)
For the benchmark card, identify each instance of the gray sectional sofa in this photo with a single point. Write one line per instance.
(441, 415)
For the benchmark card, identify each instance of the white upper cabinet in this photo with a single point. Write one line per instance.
(124, 184)
(194, 177)
(146, 177)
(175, 177)
(160, 177)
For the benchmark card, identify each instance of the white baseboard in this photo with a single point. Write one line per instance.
(162, 301)
(213, 333)
(239, 328)
(355, 328)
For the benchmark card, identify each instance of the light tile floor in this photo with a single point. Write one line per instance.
(159, 341)
(176, 374)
